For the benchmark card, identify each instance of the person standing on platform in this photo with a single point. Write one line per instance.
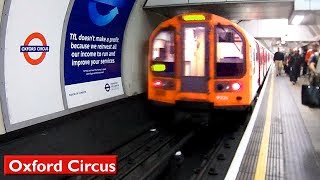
(315, 47)
(309, 53)
(287, 57)
(278, 59)
(295, 66)
(305, 62)
(315, 69)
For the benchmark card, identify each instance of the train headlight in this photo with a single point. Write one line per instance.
(166, 84)
(157, 83)
(227, 86)
(236, 86)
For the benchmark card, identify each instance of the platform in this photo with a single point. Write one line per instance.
(282, 139)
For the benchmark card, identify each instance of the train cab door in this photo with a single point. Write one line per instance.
(195, 58)
(258, 63)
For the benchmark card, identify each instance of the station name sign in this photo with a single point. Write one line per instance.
(60, 164)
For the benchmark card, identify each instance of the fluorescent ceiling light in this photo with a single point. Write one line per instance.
(297, 19)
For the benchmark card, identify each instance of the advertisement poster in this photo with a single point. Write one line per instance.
(92, 57)
(32, 58)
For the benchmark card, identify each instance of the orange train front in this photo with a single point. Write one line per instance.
(202, 58)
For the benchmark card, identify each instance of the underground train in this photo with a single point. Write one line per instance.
(204, 60)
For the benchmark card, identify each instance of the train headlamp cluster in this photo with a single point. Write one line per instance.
(157, 83)
(164, 84)
(227, 86)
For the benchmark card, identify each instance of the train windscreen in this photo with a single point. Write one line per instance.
(163, 54)
(230, 56)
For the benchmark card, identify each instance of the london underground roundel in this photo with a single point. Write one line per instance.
(27, 48)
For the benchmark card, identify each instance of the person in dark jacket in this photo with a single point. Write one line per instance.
(295, 66)
(287, 57)
(278, 59)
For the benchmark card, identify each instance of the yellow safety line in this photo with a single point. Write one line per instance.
(264, 147)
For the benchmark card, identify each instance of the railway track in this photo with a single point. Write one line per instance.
(145, 154)
(209, 154)
(216, 162)
(151, 157)
(152, 154)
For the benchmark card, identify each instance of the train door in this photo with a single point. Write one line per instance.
(261, 64)
(258, 62)
(264, 62)
(195, 59)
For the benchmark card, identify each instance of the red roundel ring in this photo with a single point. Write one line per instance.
(26, 43)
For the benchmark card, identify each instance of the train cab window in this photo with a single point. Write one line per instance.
(163, 54)
(230, 56)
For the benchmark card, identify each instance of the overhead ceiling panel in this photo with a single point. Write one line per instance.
(308, 8)
(306, 5)
(310, 17)
(153, 3)
(235, 10)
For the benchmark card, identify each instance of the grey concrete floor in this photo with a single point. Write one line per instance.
(311, 116)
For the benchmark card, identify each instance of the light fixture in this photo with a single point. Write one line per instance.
(157, 83)
(236, 86)
(297, 19)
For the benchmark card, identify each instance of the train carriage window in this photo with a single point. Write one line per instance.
(163, 54)
(230, 52)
